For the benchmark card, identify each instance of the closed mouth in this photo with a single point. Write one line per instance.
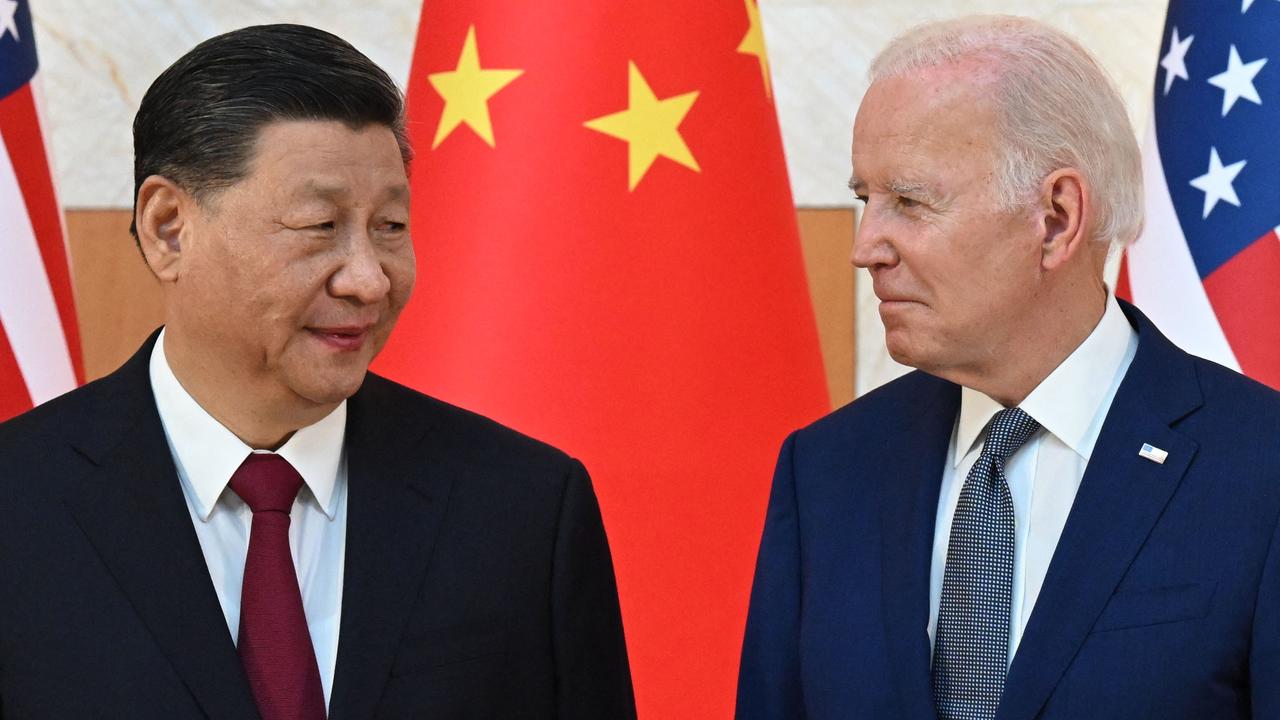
(350, 337)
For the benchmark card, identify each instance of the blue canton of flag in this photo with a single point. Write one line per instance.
(1207, 268)
(17, 58)
(1216, 107)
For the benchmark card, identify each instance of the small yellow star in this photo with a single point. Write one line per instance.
(466, 91)
(649, 126)
(753, 44)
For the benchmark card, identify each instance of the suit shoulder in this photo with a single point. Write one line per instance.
(64, 416)
(1237, 412)
(1222, 385)
(890, 403)
(472, 436)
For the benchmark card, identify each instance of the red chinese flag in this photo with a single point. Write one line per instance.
(608, 260)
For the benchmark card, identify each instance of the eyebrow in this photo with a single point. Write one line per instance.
(329, 192)
(920, 190)
(916, 189)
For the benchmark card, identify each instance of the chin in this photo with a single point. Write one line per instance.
(921, 348)
(329, 390)
(917, 358)
(899, 347)
(905, 359)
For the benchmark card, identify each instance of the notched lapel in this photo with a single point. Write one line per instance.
(1121, 498)
(909, 506)
(396, 503)
(130, 506)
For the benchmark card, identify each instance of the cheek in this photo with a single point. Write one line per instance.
(284, 298)
(401, 269)
(215, 287)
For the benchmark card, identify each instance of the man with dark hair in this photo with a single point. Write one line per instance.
(244, 522)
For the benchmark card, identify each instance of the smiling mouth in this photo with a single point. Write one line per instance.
(345, 339)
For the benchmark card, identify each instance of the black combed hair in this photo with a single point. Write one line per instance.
(199, 121)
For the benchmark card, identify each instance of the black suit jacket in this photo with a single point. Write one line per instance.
(478, 582)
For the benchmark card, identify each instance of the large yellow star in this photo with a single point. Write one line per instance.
(753, 44)
(649, 126)
(466, 91)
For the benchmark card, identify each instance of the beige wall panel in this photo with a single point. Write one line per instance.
(826, 236)
(117, 299)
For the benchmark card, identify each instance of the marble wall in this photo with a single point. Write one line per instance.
(97, 58)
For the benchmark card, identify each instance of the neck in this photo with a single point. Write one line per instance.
(1030, 354)
(264, 417)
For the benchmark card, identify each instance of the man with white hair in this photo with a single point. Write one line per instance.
(1060, 514)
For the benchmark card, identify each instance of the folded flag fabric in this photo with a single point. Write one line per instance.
(39, 338)
(608, 260)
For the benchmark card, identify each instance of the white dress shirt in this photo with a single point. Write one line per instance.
(207, 453)
(1045, 473)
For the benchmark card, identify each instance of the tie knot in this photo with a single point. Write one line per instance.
(266, 481)
(1009, 429)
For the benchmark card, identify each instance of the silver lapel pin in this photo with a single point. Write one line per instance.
(1153, 453)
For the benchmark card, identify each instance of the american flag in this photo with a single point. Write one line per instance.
(39, 340)
(1207, 268)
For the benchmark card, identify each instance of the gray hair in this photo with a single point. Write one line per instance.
(1057, 108)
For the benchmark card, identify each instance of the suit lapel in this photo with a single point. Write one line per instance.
(130, 506)
(395, 506)
(1121, 497)
(908, 511)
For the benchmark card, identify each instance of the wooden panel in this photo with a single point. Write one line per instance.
(827, 237)
(118, 300)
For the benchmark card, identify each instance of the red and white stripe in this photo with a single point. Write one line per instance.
(39, 339)
(1162, 276)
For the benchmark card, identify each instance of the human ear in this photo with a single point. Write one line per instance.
(1064, 205)
(161, 216)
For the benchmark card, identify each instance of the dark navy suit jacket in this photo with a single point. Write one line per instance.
(477, 581)
(1162, 600)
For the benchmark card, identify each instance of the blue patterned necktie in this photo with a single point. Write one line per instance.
(971, 643)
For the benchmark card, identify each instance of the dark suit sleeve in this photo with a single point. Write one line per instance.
(593, 680)
(769, 677)
(1264, 653)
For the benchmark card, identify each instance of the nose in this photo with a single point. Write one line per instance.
(872, 246)
(360, 276)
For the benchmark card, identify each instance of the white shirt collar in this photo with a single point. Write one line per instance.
(207, 453)
(1072, 401)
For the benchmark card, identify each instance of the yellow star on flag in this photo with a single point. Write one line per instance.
(466, 91)
(649, 126)
(753, 44)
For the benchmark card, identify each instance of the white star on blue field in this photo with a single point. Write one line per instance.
(1217, 107)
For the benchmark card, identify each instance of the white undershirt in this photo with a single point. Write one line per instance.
(207, 453)
(1044, 475)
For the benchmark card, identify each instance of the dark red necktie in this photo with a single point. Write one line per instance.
(275, 645)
